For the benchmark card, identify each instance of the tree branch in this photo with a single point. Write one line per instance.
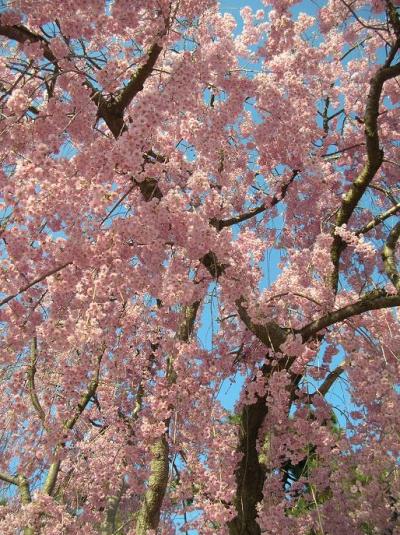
(373, 163)
(149, 513)
(360, 21)
(219, 224)
(378, 219)
(21, 34)
(111, 111)
(373, 300)
(330, 380)
(388, 256)
(137, 80)
(109, 525)
(31, 381)
(270, 333)
(51, 479)
(7, 478)
(35, 281)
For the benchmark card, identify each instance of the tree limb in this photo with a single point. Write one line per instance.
(372, 165)
(31, 381)
(21, 34)
(111, 111)
(378, 219)
(35, 281)
(51, 479)
(270, 333)
(324, 388)
(374, 300)
(7, 478)
(137, 80)
(219, 224)
(388, 256)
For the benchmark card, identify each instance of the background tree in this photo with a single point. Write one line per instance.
(152, 157)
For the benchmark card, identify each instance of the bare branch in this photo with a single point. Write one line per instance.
(359, 43)
(118, 203)
(336, 152)
(219, 224)
(360, 21)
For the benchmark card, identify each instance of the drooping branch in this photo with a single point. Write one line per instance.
(33, 283)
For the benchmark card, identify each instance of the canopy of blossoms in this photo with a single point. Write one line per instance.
(167, 169)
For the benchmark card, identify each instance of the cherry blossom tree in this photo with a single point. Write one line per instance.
(153, 155)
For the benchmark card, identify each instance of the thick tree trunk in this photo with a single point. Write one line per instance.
(149, 513)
